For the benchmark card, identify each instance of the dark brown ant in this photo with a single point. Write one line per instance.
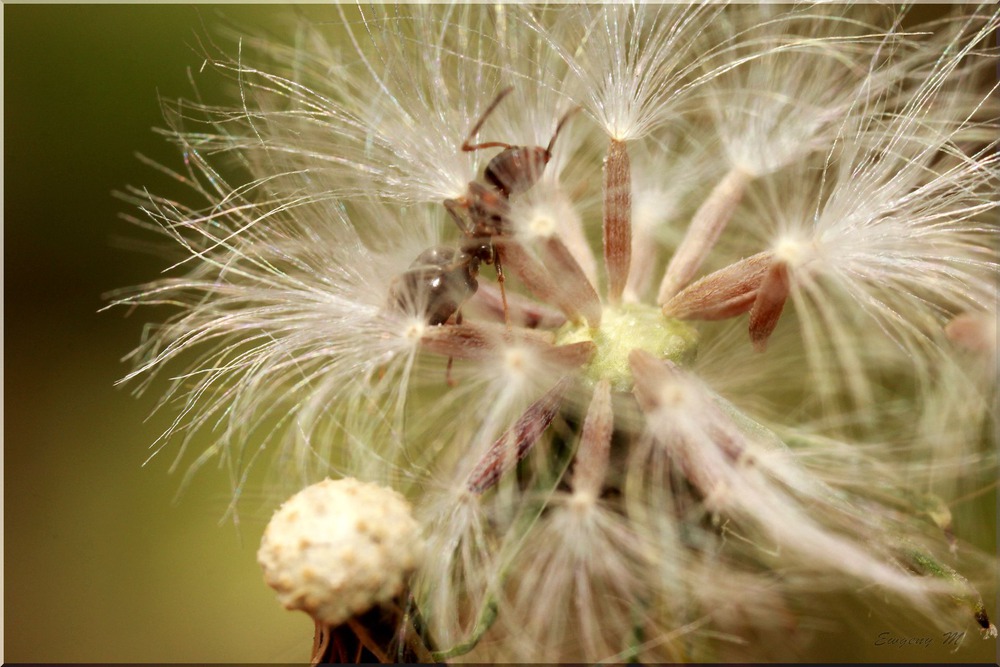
(441, 279)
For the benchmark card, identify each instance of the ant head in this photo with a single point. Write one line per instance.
(517, 169)
(480, 250)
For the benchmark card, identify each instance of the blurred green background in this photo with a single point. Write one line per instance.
(100, 565)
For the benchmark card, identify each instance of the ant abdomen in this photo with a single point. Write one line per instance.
(439, 281)
(436, 256)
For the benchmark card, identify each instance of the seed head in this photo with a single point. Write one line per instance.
(340, 547)
(654, 376)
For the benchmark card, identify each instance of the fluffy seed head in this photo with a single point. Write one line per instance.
(595, 490)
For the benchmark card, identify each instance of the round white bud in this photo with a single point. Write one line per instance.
(338, 548)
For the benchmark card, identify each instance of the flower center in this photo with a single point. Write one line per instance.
(630, 327)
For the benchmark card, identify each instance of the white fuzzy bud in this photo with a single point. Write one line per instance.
(338, 548)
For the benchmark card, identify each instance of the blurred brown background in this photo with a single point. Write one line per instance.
(100, 564)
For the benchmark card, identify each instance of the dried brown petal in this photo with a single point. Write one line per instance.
(658, 383)
(595, 443)
(768, 305)
(617, 218)
(573, 282)
(975, 332)
(465, 341)
(523, 311)
(485, 341)
(706, 226)
(649, 373)
(518, 440)
(475, 341)
(538, 280)
(569, 356)
(726, 293)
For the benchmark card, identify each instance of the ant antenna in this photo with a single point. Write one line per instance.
(467, 147)
(562, 121)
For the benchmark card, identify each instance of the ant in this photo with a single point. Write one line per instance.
(446, 276)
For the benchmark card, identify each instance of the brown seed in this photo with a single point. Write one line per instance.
(617, 218)
(574, 284)
(706, 226)
(726, 293)
(518, 440)
(769, 303)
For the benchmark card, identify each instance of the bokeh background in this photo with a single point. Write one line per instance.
(103, 561)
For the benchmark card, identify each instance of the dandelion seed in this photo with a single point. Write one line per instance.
(780, 106)
(632, 70)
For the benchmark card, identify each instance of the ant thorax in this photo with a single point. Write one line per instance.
(487, 212)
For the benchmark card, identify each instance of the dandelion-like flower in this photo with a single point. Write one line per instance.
(606, 460)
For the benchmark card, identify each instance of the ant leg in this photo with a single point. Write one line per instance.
(468, 147)
(500, 281)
